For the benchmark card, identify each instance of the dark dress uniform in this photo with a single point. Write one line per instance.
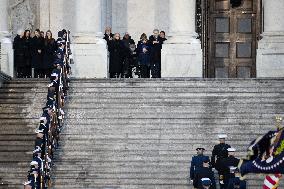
(218, 154)
(225, 165)
(196, 162)
(236, 183)
(203, 172)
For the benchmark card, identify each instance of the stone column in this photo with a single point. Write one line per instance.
(182, 54)
(7, 57)
(90, 50)
(270, 53)
(182, 21)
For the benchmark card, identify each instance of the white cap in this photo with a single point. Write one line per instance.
(54, 75)
(205, 179)
(232, 168)
(221, 136)
(42, 118)
(39, 131)
(231, 149)
(34, 163)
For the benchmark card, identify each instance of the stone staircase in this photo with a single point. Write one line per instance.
(141, 134)
(20, 108)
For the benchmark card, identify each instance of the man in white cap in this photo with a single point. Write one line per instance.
(218, 154)
(229, 165)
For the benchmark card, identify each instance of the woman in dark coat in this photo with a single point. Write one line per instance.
(27, 52)
(37, 46)
(144, 49)
(117, 55)
(48, 51)
(19, 54)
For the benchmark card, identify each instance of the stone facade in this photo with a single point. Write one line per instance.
(176, 17)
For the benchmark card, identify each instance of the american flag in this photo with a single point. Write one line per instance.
(272, 181)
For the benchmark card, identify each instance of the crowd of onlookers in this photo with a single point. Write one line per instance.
(128, 59)
(34, 54)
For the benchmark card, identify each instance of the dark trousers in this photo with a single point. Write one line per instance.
(156, 69)
(145, 71)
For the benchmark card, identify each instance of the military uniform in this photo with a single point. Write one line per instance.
(196, 162)
(218, 154)
(204, 172)
(227, 163)
(236, 183)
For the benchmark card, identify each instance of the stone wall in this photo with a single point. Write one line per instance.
(134, 16)
(24, 14)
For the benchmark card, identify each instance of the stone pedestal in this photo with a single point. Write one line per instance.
(90, 56)
(90, 50)
(181, 60)
(182, 54)
(270, 53)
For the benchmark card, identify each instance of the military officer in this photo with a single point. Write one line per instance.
(197, 162)
(236, 182)
(206, 183)
(229, 165)
(218, 154)
(204, 172)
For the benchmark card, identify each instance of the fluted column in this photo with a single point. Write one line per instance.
(7, 55)
(90, 49)
(182, 54)
(273, 17)
(270, 53)
(182, 21)
(4, 26)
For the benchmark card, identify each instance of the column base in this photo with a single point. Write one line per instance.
(270, 56)
(182, 60)
(90, 57)
(7, 54)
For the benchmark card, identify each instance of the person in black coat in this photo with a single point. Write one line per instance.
(50, 47)
(37, 47)
(127, 40)
(117, 52)
(19, 54)
(163, 36)
(156, 47)
(204, 172)
(27, 54)
(108, 35)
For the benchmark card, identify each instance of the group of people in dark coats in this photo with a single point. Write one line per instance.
(223, 160)
(128, 60)
(34, 56)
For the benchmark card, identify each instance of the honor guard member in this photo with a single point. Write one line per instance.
(236, 182)
(229, 165)
(204, 172)
(197, 162)
(218, 154)
(206, 183)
